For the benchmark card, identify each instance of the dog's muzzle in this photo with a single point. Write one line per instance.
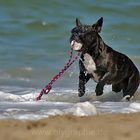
(76, 45)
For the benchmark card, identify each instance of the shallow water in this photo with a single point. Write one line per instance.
(20, 103)
(34, 46)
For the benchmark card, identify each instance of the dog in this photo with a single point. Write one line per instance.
(101, 63)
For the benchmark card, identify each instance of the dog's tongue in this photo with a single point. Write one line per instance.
(76, 45)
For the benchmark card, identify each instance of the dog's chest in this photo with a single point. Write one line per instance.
(89, 63)
(90, 66)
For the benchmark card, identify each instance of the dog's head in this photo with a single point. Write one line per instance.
(83, 36)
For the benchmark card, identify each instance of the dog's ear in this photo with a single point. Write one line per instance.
(98, 25)
(78, 23)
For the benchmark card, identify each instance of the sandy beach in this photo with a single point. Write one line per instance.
(99, 127)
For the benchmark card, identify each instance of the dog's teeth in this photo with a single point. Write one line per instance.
(72, 43)
(75, 45)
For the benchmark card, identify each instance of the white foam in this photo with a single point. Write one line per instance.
(9, 97)
(54, 112)
(82, 109)
(20, 103)
(28, 97)
(135, 106)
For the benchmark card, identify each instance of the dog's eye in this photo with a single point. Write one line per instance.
(73, 30)
(81, 36)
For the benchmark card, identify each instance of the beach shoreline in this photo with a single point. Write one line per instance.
(101, 126)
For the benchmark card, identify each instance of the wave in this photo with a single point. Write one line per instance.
(20, 103)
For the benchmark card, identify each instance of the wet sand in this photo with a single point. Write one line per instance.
(98, 127)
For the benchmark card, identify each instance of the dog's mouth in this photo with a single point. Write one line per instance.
(76, 45)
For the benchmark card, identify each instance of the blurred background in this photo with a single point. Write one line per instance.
(34, 37)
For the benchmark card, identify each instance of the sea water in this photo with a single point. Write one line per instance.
(34, 46)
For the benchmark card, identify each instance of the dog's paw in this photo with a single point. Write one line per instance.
(99, 91)
(116, 90)
(127, 98)
(80, 94)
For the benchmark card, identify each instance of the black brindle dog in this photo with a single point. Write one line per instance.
(101, 63)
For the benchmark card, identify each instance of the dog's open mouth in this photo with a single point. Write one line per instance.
(76, 45)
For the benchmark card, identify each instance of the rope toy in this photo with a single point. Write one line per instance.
(48, 87)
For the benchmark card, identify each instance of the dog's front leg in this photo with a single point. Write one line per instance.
(83, 79)
(100, 86)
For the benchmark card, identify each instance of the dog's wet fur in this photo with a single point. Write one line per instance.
(101, 63)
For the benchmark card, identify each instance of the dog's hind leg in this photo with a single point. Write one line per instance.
(101, 83)
(132, 86)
